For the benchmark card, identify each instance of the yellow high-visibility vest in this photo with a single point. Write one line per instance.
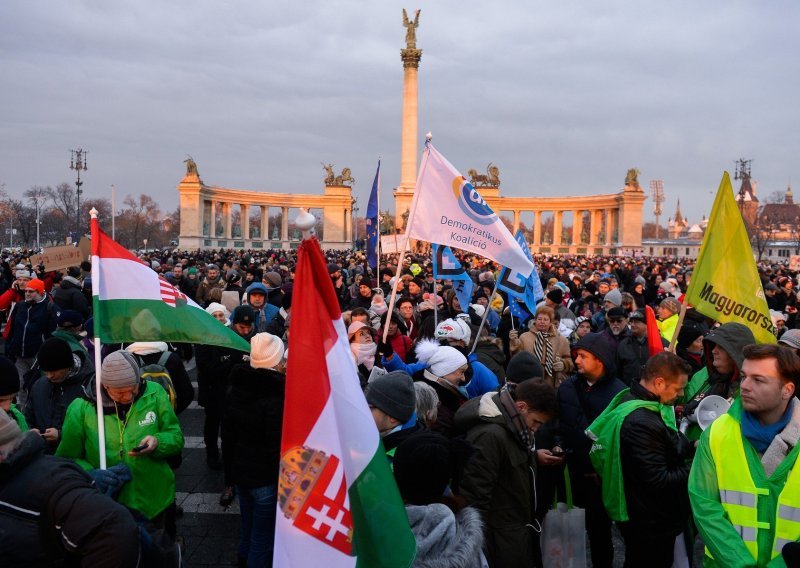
(739, 494)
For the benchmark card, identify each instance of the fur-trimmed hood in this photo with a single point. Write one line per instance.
(445, 540)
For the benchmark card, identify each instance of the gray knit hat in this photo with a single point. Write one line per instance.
(393, 393)
(791, 338)
(9, 429)
(120, 370)
(614, 296)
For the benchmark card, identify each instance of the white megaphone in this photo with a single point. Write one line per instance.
(709, 409)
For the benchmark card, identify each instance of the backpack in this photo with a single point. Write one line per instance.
(158, 373)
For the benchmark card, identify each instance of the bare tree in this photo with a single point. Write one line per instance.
(138, 220)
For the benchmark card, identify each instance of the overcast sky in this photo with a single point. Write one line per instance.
(563, 96)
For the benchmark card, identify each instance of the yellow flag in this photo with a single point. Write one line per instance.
(725, 285)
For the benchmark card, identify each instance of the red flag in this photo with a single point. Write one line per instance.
(654, 343)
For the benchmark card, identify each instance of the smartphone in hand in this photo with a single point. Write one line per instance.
(138, 449)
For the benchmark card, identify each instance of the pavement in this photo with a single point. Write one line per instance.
(211, 532)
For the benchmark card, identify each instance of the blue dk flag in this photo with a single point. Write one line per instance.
(526, 287)
(447, 267)
(372, 221)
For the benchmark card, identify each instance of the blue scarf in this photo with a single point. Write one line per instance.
(759, 435)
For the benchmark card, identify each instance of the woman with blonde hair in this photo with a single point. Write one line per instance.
(546, 344)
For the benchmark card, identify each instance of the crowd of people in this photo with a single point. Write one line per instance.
(486, 417)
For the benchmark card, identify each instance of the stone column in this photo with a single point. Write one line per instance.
(558, 221)
(613, 225)
(227, 209)
(630, 219)
(408, 138)
(577, 227)
(594, 233)
(516, 222)
(245, 224)
(264, 223)
(284, 223)
(537, 228)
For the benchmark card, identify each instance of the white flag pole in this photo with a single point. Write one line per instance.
(98, 359)
(409, 224)
(483, 319)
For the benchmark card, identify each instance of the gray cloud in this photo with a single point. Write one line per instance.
(564, 97)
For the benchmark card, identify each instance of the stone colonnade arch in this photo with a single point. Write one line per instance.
(199, 202)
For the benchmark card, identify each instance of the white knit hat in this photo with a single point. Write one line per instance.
(440, 360)
(266, 351)
(214, 307)
(456, 329)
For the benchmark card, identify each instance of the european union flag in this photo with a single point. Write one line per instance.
(447, 267)
(372, 221)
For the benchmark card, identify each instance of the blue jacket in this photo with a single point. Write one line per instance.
(483, 380)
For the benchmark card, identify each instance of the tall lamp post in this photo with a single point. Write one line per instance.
(36, 199)
(77, 162)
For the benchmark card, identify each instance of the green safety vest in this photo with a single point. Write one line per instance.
(604, 433)
(739, 494)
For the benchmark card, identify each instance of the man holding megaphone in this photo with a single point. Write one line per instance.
(744, 484)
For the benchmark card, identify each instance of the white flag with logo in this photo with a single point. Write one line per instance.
(448, 210)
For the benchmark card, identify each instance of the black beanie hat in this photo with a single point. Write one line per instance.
(54, 355)
(394, 394)
(556, 295)
(423, 466)
(9, 377)
(689, 332)
(523, 366)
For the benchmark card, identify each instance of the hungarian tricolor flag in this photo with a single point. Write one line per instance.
(338, 504)
(134, 303)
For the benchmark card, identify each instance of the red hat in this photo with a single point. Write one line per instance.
(36, 284)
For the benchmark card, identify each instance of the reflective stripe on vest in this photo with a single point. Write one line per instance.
(739, 494)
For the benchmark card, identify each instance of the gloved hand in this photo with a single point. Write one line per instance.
(558, 365)
(122, 471)
(385, 348)
(105, 480)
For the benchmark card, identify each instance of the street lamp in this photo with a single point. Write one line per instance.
(77, 162)
(145, 245)
(36, 199)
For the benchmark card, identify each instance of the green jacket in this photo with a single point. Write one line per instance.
(18, 417)
(721, 539)
(152, 488)
(74, 340)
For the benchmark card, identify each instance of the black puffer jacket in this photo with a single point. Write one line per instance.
(49, 512)
(253, 417)
(579, 403)
(655, 466)
(70, 297)
(499, 481)
(47, 403)
(631, 356)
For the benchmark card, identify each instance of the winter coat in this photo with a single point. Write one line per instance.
(49, 511)
(655, 467)
(668, 326)
(445, 540)
(631, 356)
(205, 287)
(47, 403)
(70, 297)
(498, 482)
(75, 341)
(214, 364)
(31, 323)
(253, 416)
(483, 380)
(561, 349)
(152, 488)
(580, 403)
(489, 352)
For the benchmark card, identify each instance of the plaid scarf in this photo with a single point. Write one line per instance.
(517, 421)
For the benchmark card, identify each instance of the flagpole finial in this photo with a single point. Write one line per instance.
(93, 213)
(305, 221)
(428, 136)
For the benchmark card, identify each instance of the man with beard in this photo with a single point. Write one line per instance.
(211, 281)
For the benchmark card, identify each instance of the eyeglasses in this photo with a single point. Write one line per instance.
(30, 291)
(616, 320)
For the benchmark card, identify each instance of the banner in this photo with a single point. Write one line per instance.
(448, 210)
(391, 244)
(60, 258)
(725, 285)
